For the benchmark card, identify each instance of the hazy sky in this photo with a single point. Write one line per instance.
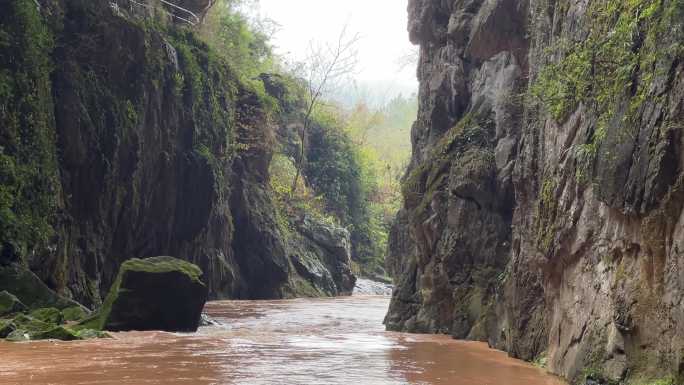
(380, 23)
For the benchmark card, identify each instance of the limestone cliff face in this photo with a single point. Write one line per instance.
(544, 201)
(155, 148)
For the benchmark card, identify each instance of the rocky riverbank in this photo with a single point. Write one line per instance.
(160, 293)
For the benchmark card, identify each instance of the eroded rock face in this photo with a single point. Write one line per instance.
(17, 283)
(334, 243)
(10, 304)
(508, 233)
(147, 125)
(453, 235)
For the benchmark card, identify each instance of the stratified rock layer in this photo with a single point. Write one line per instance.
(541, 214)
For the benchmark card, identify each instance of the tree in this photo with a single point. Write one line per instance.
(325, 66)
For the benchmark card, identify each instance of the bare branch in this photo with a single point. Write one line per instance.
(326, 66)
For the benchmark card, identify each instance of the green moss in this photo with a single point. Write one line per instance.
(18, 336)
(48, 315)
(30, 289)
(299, 288)
(10, 304)
(596, 374)
(28, 166)
(91, 322)
(56, 333)
(6, 327)
(468, 136)
(30, 328)
(87, 334)
(629, 44)
(541, 361)
(74, 313)
(162, 265)
(595, 358)
(547, 208)
(597, 70)
(207, 88)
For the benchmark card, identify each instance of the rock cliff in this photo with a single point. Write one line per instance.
(127, 137)
(543, 205)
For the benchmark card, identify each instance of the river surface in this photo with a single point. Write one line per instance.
(293, 342)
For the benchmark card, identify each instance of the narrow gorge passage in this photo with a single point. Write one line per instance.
(302, 341)
(267, 192)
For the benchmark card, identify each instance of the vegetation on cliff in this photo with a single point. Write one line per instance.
(28, 158)
(543, 200)
(354, 156)
(610, 71)
(127, 133)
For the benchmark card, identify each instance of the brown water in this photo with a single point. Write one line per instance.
(312, 342)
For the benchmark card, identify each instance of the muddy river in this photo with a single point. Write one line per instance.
(303, 341)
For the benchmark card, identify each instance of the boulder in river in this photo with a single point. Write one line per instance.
(9, 304)
(160, 293)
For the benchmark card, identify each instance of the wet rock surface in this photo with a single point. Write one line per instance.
(369, 287)
(523, 227)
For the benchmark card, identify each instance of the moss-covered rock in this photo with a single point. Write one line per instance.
(87, 334)
(27, 327)
(18, 336)
(6, 327)
(30, 290)
(48, 315)
(30, 325)
(55, 333)
(10, 304)
(161, 293)
(73, 313)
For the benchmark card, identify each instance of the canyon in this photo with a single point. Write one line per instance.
(542, 211)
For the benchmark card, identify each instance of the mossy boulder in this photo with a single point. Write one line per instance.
(10, 304)
(26, 327)
(48, 315)
(74, 313)
(160, 293)
(6, 327)
(30, 324)
(56, 333)
(29, 289)
(18, 336)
